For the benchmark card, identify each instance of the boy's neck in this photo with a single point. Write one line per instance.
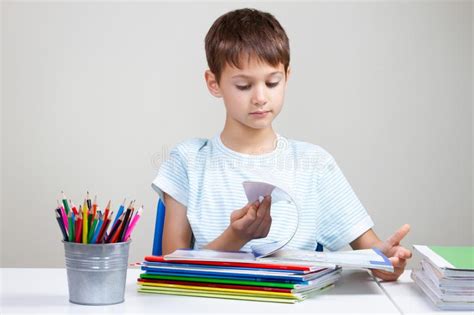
(248, 140)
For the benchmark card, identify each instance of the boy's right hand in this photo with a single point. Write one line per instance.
(252, 221)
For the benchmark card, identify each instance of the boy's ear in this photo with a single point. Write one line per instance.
(212, 84)
(288, 72)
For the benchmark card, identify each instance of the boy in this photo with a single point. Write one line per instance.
(201, 183)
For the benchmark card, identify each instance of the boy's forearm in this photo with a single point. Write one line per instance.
(367, 240)
(227, 241)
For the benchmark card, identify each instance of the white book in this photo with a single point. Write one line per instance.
(442, 302)
(364, 258)
(450, 261)
(446, 284)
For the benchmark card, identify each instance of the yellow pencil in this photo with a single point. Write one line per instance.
(85, 225)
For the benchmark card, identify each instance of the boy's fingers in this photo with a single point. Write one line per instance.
(402, 264)
(248, 218)
(254, 218)
(403, 253)
(264, 207)
(268, 225)
(251, 213)
(260, 230)
(395, 239)
(379, 272)
(237, 214)
(394, 261)
(398, 262)
(256, 223)
(261, 212)
(265, 224)
(385, 275)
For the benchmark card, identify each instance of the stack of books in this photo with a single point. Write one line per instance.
(446, 276)
(233, 275)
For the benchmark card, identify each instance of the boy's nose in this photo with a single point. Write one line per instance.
(259, 97)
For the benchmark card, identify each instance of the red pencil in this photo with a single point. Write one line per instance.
(100, 238)
(79, 227)
(115, 233)
(74, 209)
(104, 226)
(117, 221)
(94, 207)
(107, 209)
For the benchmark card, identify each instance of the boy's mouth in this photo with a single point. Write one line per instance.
(260, 114)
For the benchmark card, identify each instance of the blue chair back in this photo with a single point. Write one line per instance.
(160, 222)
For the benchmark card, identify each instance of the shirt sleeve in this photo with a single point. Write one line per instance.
(342, 216)
(172, 178)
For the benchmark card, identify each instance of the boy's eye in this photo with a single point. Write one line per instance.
(243, 87)
(248, 86)
(272, 84)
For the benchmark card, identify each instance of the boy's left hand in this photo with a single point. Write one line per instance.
(397, 254)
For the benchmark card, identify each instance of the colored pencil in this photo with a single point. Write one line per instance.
(119, 213)
(115, 229)
(126, 221)
(132, 225)
(106, 217)
(70, 217)
(73, 207)
(89, 203)
(85, 224)
(65, 203)
(94, 206)
(92, 229)
(97, 229)
(61, 226)
(105, 225)
(116, 235)
(63, 214)
(79, 226)
(107, 210)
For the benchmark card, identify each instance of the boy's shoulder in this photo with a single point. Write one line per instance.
(307, 149)
(192, 144)
(188, 149)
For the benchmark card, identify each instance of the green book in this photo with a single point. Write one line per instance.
(453, 258)
(218, 280)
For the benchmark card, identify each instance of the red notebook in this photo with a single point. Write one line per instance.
(256, 264)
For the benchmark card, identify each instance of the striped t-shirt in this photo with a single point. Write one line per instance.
(206, 176)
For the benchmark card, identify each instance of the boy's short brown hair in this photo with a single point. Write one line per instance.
(246, 33)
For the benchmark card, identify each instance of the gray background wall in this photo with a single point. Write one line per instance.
(95, 95)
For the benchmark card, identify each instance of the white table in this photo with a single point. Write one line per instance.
(409, 298)
(45, 291)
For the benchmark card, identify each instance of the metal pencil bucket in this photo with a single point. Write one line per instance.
(96, 273)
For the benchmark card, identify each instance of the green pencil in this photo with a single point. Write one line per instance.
(92, 229)
(65, 203)
(70, 226)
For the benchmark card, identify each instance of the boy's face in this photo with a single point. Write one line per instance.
(253, 96)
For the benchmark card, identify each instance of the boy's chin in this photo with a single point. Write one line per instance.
(259, 125)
